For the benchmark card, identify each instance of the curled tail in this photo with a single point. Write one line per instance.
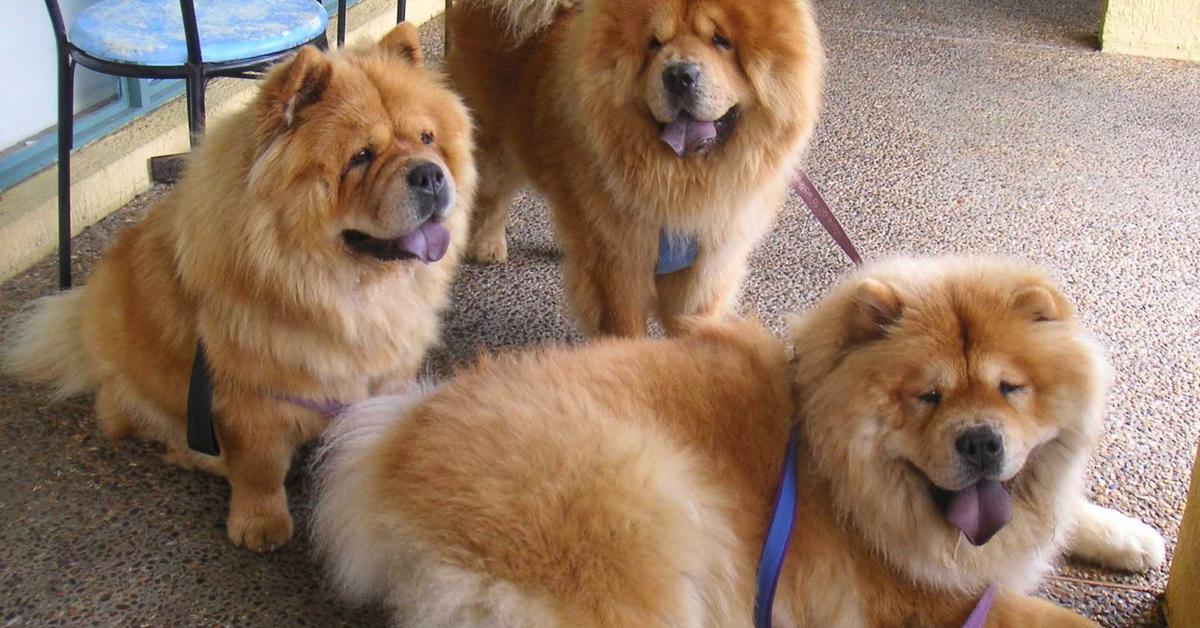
(523, 18)
(346, 531)
(44, 343)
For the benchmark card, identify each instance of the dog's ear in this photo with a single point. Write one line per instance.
(291, 87)
(404, 41)
(875, 306)
(1042, 303)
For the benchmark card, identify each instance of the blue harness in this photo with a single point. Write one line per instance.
(770, 562)
(675, 252)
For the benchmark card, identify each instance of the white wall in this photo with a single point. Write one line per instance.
(29, 74)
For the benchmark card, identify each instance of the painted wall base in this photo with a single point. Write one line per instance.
(1152, 28)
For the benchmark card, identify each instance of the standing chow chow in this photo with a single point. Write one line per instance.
(663, 132)
(944, 411)
(308, 250)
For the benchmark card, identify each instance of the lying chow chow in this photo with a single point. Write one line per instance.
(630, 483)
(309, 248)
(660, 130)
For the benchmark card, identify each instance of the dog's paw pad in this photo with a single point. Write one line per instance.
(1126, 544)
(260, 532)
(1141, 549)
(489, 251)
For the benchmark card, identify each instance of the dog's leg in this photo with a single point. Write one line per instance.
(1111, 539)
(710, 288)
(114, 418)
(497, 184)
(257, 440)
(606, 301)
(610, 285)
(702, 290)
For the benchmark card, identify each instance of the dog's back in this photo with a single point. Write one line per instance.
(568, 488)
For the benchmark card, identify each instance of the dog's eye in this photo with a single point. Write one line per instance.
(932, 397)
(721, 42)
(654, 43)
(1007, 389)
(362, 157)
(427, 137)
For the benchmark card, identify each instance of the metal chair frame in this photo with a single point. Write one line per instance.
(341, 13)
(195, 73)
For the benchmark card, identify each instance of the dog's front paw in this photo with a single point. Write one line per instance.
(1111, 539)
(259, 529)
(490, 250)
(1139, 548)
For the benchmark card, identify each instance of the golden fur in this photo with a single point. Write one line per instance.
(629, 483)
(569, 94)
(248, 255)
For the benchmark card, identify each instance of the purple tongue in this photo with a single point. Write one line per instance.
(979, 511)
(687, 136)
(428, 242)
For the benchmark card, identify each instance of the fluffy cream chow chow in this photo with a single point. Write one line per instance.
(945, 409)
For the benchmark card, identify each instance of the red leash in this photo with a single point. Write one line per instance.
(820, 210)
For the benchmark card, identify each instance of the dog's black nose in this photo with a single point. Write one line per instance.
(427, 181)
(427, 178)
(681, 79)
(981, 448)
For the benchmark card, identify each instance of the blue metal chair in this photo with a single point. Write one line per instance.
(169, 39)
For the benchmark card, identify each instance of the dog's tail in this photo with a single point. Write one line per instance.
(44, 343)
(525, 17)
(348, 534)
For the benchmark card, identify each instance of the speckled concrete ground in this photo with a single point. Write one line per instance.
(950, 125)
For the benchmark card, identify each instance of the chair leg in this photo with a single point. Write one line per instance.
(195, 84)
(66, 141)
(400, 10)
(341, 34)
(446, 30)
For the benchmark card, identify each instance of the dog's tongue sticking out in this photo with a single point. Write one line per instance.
(979, 511)
(688, 136)
(427, 242)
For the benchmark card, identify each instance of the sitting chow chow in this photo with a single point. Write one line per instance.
(301, 264)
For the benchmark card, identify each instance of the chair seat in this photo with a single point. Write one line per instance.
(150, 32)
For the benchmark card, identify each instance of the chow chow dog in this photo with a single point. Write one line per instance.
(660, 130)
(309, 249)
(630, 483)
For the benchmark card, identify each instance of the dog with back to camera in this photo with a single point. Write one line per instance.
(944, 412)
(309, 249)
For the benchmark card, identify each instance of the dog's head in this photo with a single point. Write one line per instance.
(363, 154)
(944, 396)
(681, 66)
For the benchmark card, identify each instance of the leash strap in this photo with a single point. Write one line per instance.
(328, 408)
(770, 563)
(820, 210)
(201, 432)
(978, 617)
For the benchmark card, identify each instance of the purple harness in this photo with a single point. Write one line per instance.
(328, 408)
(201, 428)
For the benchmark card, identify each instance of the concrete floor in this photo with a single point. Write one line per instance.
(949, 125)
